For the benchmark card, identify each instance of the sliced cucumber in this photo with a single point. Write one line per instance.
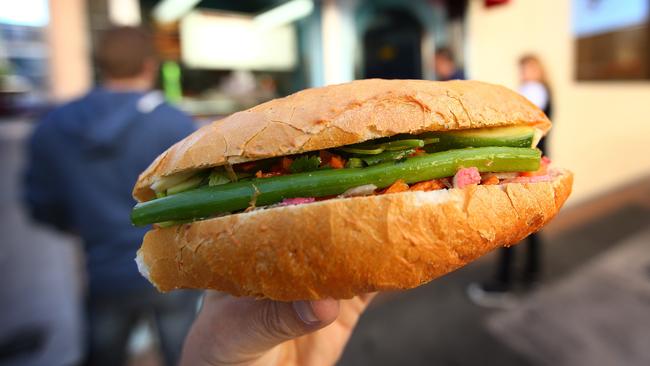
(511, 136)
(539, 134)
(161, 184)
(354, 163)
(186, 185)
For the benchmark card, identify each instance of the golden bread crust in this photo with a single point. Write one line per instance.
(339, 248)
(321, 118)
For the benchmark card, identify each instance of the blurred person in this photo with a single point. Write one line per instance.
(240, 83)
(535, 87)
(445, 65)
(246, 331)
(241, 86)
(84, 158)
(268, 88)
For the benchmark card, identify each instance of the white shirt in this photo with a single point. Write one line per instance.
(535, 92)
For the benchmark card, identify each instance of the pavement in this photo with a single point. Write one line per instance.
(597, 315)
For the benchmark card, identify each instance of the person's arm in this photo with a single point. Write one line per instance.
(41, 197)
(245, 331)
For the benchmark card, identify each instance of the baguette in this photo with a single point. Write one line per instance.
(342, 247)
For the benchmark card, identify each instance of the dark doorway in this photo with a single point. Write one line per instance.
(392, 46)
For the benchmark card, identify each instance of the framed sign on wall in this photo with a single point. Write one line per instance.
(612, 39)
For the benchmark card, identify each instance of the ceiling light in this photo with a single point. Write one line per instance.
(168, 11)
(284, 14)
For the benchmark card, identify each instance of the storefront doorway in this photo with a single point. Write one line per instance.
(392, 46)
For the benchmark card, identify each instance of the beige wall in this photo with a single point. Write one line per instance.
(70, 70)
(601, 130)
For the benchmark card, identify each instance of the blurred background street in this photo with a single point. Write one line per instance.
(216, 57)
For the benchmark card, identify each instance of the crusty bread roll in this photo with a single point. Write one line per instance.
(343, 114)
(342, 247)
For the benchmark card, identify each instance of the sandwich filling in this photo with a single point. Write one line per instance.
(419, 162)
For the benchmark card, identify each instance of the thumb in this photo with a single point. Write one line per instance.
(269, 323)
(239, 330)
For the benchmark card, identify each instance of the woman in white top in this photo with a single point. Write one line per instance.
(534, 86)
(498, 293)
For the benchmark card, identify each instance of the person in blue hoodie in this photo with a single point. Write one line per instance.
(84, 158)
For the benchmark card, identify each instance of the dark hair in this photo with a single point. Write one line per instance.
(122, 52)
(446, 53)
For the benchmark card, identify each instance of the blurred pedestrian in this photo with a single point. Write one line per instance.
(534, 86)
(84, 158)
(498, 293)
(445, 65)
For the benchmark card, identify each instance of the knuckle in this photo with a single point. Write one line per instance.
(274, 323)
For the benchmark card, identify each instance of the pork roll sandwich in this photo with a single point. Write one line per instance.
(336, 191)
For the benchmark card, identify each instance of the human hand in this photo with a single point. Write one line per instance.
(245, 331)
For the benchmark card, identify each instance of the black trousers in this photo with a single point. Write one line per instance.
(111, 320)
(532, 263)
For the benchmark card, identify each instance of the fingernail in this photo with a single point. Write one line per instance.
(305, 312)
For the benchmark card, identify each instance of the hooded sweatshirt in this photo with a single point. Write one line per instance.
(84, 158)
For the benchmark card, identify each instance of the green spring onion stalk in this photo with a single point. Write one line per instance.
(386, 156)
(402, 144)
(207, 201)
(395, 145)
(363, 150)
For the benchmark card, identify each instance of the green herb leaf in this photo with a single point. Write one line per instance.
(305, 164)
